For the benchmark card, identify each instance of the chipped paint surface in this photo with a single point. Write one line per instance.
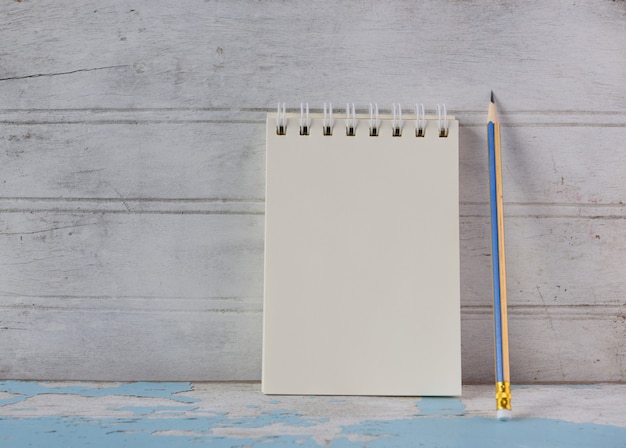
(23, 390)
(236, 414)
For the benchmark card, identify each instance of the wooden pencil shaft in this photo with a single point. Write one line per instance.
(501, 255)
(503, 390)
(499, 366)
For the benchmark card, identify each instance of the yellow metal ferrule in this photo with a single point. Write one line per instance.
(503, 395)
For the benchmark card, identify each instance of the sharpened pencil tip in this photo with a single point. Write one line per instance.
(491, 115)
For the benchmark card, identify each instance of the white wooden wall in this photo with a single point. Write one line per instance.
(132, 173)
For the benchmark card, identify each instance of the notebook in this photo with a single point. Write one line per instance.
(361, 282)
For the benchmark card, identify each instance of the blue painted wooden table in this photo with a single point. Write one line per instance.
(239, 415)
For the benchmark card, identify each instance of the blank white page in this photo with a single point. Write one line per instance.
(361, 291)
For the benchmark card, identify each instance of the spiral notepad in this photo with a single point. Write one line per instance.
(361, 293)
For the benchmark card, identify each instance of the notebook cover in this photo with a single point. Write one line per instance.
(361, 293)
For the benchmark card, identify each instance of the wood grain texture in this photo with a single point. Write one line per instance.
(93, 293)
(98, 338)
(126, 54)
(132, 173)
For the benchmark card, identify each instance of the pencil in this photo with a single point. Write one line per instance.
(503, 382)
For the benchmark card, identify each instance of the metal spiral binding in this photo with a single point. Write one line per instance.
(374, 120)
(397, 122)
(420, 121)
(281, 120)
(442, 121)
(350, 120)
(305, 121)
(327, 126)
(396, 129)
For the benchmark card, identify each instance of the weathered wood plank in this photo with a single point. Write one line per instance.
(191, 284)
(174, 255)
(539, 56)
(220, 339)
(548, 344)
(548, 165)
(131, 182)
(168, 338)
(225, 160)
(216, 160)
(552, 261)
(252, 115)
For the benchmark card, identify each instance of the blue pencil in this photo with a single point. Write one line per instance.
(503, 382)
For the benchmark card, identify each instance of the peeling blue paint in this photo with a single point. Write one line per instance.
(160, 410)
(439, 421)
(103, 433)
(470, 432)
(441, 406)
(28, 389)
(443, 431)
(282, 416)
